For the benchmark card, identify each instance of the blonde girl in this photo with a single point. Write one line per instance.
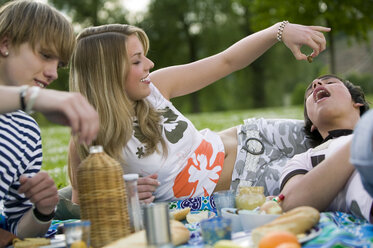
(139, 125)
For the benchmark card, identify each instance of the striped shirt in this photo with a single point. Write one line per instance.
(20, 154)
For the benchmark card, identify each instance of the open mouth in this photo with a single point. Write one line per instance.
(320, 93)
(145, 80)
(40, 84)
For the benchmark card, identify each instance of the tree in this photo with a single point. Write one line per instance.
(192, 30)
(91, 12)
(86, 13)
(353, 18)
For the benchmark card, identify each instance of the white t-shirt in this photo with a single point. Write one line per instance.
(195, 158)
(353, 198)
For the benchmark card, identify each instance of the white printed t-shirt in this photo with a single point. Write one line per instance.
(353, 198)
(195, 158)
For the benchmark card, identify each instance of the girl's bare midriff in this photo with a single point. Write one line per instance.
(229, 138)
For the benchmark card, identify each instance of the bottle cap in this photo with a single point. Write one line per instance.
(130, 177)
(95, 149)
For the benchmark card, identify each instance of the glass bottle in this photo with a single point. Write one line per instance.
(103, 198)
(250, 197)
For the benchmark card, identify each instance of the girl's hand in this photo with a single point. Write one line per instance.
(295, 36)
(146, 187)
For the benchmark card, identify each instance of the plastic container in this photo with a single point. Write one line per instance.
(133, 202)
(250, 198)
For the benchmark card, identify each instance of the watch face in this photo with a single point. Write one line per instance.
(254, 146)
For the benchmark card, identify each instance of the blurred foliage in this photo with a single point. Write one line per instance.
(185, 31)
(86, 13)
(188, 30)
(364, 80)
(352, 18)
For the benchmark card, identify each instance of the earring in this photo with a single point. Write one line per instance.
(6, 53)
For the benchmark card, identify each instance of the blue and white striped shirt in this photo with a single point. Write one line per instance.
(20, 154)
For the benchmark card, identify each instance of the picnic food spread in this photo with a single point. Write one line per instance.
(198, 216)
(179, 233)
(271, 207)
(297, 221)
(30, 242)
(180, 214)
(250, 197)
(277, 239)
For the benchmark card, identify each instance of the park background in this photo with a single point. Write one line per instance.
(181, 31)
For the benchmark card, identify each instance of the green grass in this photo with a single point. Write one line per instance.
(55, 143)
(56, 138)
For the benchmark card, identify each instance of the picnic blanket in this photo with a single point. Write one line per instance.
(337, 229)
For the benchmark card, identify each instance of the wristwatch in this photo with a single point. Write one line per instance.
(43, 217)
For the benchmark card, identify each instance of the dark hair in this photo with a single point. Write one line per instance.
(357, 96)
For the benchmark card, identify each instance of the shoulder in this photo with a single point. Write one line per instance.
(156, 98)
(19, 119)
(19, 125)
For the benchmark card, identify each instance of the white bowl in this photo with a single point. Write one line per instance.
(251, 219)
(231, 213)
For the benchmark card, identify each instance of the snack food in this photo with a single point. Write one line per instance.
(226, 244)
(271, 207)
(297, 221)
(250, 197)
(180, 214)
(30, 242)
(194, 217)
(309, 58)
(179, 233)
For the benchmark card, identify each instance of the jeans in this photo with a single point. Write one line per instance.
(362, 150)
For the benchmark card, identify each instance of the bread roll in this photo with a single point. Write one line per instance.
(297, 221)
(271, 207)
(180, 235)
(197, 216)
(180, 214)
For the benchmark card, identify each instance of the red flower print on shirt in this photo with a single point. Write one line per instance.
(201, 173)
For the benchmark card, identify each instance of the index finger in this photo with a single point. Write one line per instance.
(148, 181)
(320, 28)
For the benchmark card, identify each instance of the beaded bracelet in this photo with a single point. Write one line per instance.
(280, 30)
(33, 95)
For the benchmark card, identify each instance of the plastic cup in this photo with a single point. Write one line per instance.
(77, 234)
(216, 229)
(224, 199)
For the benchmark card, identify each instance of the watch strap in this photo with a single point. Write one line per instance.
(43, 217)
